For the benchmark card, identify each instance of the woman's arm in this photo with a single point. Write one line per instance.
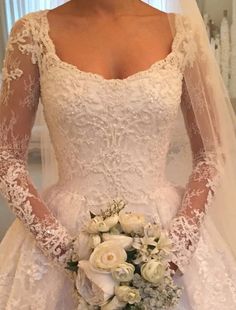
(18, 105)
(184, 229)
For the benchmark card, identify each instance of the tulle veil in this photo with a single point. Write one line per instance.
(216, 122)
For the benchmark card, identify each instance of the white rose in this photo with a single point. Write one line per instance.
(123, 272)
(94, 286)
(153, 271)
(116, 230)
(114, 304)
(107, 255)
(123, 240)
(132, 222)
(127, 294)
(112, 220)
(98, 224)
(94, 240)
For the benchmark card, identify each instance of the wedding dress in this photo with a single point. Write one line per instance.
(111, 140)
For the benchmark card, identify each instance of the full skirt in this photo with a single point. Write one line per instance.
(29, 280)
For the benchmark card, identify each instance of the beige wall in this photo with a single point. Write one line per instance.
(216, 8)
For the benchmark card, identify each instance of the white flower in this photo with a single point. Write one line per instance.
(153, 271)
(123, 240)
(112, 220)
(107, 255)
(132, 222)
(164, 243)
(94, 240)
(114, 304)
(116, 230)
(98, 224)
(123, 272)
(94, 286)
(127, 294)
(152, 230)
(146, 247)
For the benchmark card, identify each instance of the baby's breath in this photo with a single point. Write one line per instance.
(113, 208)
(164, 295)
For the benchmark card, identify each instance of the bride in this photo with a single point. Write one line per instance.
(135, 109)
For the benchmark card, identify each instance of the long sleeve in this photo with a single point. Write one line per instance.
(18, 105)
(185, 228)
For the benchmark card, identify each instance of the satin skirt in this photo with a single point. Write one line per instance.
(29, 280)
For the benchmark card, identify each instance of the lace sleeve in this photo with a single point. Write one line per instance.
(185, 227)
(18, 105)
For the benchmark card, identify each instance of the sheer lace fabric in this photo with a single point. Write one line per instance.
(18, 105)
(111, 140)
(185, 228)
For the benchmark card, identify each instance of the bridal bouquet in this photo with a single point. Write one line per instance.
(128, 267)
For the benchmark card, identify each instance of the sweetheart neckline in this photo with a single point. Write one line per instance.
(98, 76)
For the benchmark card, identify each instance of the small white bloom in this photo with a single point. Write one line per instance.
(112, 220)
(116, 230)
(146, 247)
(152, 230)
(96, 224)
(94, 240)
(107, 255)
(103, 227)
(127, 294)
(123, 272)
(164, 243)
(123, 240)
(153, 271)
(132, 222)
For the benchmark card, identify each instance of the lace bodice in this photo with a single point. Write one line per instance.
(106, 124)
(111, 137)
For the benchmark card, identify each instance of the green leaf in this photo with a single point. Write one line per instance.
(131, 255)
(71, 263)
(72, 268)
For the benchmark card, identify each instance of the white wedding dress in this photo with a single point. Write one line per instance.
(111, 139)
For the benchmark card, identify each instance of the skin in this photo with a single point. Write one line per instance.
(113, 38)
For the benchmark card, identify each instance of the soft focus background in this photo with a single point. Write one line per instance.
(220, 20)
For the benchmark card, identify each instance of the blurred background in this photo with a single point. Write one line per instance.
(220, 20)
